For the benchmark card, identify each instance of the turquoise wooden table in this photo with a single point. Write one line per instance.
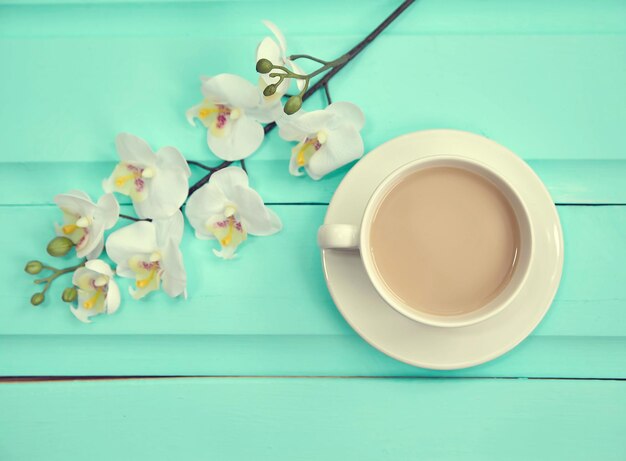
(257, 363)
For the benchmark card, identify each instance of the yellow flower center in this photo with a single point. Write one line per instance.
(121, 180)
(69, 228)
(307, 149)
(206, 112)
(142, 283)
(91, 302)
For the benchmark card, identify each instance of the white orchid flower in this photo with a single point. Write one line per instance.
(149, 253)
(157, 182)
(97, 291)
(327, 139)
(84, 222)
(275, 50)
(227, 209)
(232, 110)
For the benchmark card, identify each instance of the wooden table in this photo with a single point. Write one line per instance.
(258, 364)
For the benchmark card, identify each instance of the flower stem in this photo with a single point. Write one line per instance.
(329, 101)
(293, 57)
(334, 66)
(55, 274)
(205, 179)
(132, 218)
(200, 165)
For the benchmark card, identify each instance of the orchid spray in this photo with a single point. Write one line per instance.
(222, 207)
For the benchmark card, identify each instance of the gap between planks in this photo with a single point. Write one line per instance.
(39, 379)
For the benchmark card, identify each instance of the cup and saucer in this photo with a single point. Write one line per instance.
(415, 311)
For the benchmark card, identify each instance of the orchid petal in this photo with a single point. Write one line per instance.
(76, 202)
(245, 138)
(232, 90)
(257, 218)
(79, 194)
(169, 229)
(174, 275)
(108, 210)
(81, 314)
(269, 49)
(294, 168)
(228, 179)
(192, 113)
(278, 34)
(346, 112)
(300, 125)
(93, 244)
(170, 157)
(168, 191)
(113, 297)
(133, 149)
(97, 250)
(81, 277)
(343, 146)
(139, 237)
(207, 201)
(226, 252)
(99, 266)
(288, 130)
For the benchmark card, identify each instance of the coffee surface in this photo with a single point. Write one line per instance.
(445, 240)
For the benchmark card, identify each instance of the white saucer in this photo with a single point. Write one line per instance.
(413, 342)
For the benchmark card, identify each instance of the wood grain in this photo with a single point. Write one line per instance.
(310, 419)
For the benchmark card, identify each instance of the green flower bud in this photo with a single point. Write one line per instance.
(37, 299)
(269, 90)
(33, 267)
(59, 246)
(69, 294)
(293, 105)
(264, 66)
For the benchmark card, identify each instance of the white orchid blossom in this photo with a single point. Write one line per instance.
(149, 253)
(275, 50)
(327, 139)
(227, 209)
(231, 111)
(97, 291)
(157, 182)
(84, 222)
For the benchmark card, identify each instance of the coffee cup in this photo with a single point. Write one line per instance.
(445, 240)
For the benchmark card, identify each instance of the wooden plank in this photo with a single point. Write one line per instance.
(288, 355)
(239, 301)
(569, 181)
(150, 17)
(243, 297)
(537, 94)
(330, 419)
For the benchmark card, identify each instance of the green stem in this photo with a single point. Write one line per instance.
(55, 274)
(293, 57)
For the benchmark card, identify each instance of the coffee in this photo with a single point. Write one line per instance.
(445, 240)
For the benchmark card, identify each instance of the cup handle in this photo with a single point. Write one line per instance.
(338, 236)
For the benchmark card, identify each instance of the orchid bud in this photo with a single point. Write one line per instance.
(33, 267)
(263, 66)
(37, 299)
(59, 246)
(69, 294)
(293, 105)
(269, 90)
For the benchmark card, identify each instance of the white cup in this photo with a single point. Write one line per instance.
(344, 237)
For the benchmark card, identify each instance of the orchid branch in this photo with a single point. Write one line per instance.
(329, 101)
(35, 267)
(333, 67)
(132, 218)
